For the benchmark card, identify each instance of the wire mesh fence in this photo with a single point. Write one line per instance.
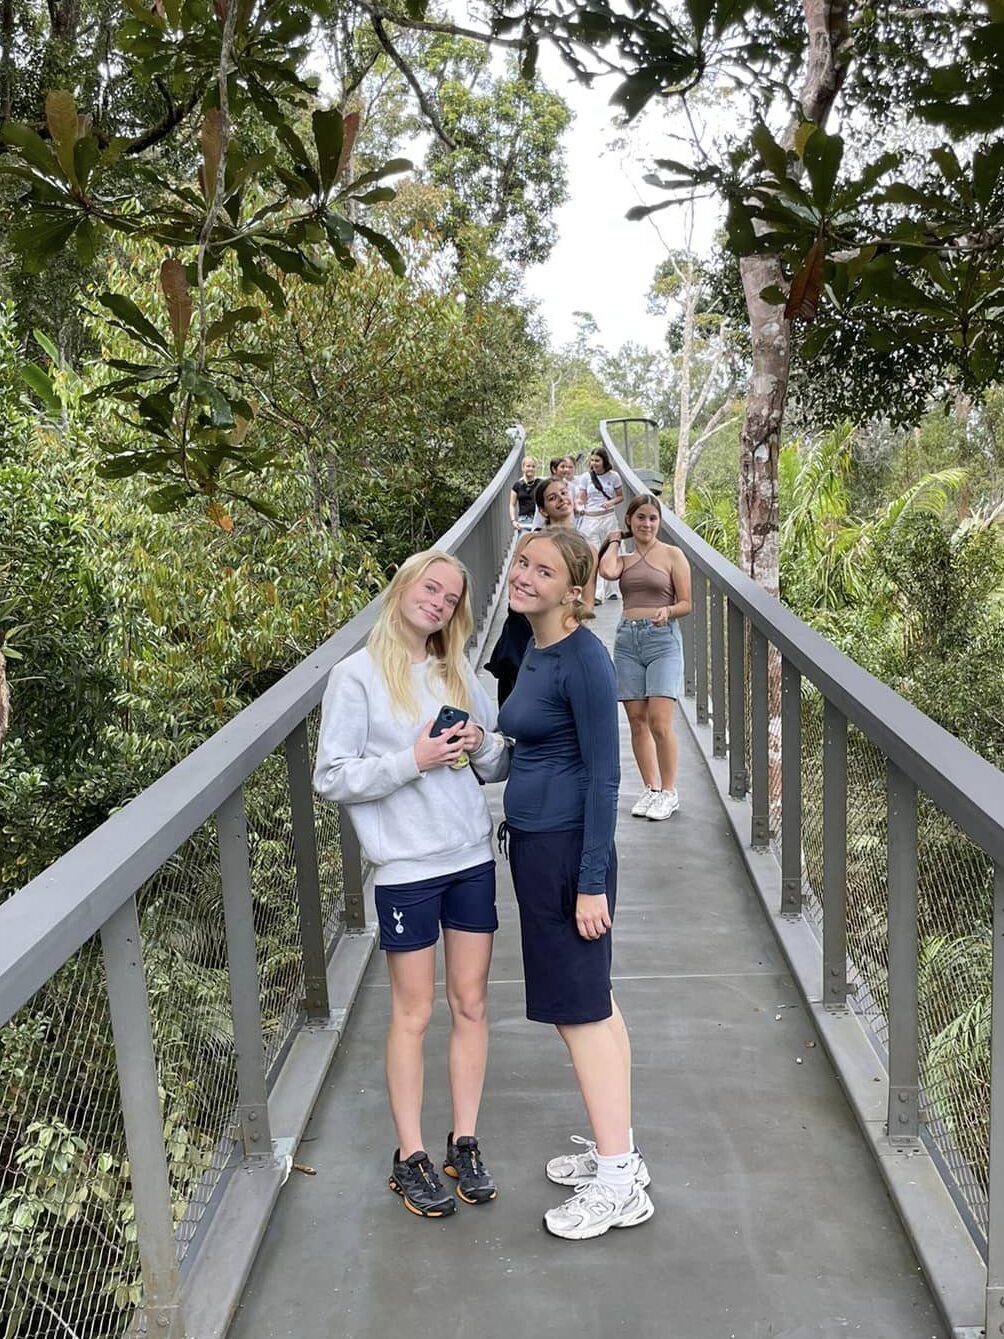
(954, 969)
(69, 1263)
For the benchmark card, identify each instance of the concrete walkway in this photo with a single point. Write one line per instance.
(771, 1219)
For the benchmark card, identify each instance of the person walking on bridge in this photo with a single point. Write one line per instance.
(560, 809)
(648, 648)
(422, 821)
(600, 493)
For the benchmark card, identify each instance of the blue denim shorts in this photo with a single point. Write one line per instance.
(410, 914)
(648, 659)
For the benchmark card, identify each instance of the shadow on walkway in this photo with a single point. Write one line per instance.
(771, 1219)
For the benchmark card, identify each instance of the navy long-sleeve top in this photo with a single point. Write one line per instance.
(565, 770)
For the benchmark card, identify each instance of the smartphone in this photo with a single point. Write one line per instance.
(449, 718)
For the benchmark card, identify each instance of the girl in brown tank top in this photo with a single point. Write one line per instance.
(648, 649)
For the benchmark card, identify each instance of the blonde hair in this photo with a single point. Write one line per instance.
(388, 646)
(577, 554)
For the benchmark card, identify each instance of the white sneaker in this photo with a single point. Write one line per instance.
(665, 803)
(643, 803)
(595, 1209)
(577, 1169)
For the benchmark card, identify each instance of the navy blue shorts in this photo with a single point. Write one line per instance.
(567, 978)
(410, 914)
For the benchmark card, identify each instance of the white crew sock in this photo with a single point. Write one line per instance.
(615, 1173)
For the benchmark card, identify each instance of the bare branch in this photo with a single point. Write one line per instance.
(412, 80)
(451, 29)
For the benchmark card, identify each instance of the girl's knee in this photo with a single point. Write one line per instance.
(468, 1006)
(412, 1017)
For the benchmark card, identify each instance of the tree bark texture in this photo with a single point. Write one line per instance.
(826, 24)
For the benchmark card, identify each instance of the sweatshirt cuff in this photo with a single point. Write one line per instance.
(405, 767)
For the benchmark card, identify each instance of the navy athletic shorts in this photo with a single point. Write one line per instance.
(410, 914)
(567, 977)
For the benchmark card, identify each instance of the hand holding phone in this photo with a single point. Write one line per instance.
(439, 743)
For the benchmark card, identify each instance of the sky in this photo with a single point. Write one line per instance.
(602, 263)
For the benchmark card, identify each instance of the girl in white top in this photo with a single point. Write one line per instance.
(600, 492)
(422, 821)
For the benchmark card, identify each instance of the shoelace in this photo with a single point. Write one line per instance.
(427, 1172)
(470, 1155)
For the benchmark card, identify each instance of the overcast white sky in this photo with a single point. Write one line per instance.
(602, 263)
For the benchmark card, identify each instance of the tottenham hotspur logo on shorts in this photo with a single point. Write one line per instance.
(398, 921)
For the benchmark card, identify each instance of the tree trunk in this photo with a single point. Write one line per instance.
(6, 59)
(683, 439)
(334, 514)
(4, 700)
(827, 34)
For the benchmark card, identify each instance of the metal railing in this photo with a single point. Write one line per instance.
(155, 985)
(867, 865)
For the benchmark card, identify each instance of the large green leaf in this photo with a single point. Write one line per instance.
(821, 156)
(33, 147)
(61, 118)
(773, 157)
(328, 134)
(135, 322)
(33, 376)
(232, 319)
(385, 246)
(43, 235)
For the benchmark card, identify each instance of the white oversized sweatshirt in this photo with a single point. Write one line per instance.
(411, 825)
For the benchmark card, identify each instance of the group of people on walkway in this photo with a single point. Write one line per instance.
(409, 737)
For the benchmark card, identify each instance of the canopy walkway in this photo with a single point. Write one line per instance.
(823, 1163)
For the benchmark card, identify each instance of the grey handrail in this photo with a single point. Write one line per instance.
(967, 787)
(45, 922)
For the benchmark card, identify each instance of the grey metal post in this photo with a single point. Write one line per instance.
(689, 655)
(760, 743)
(718, 736)
(791, 790)
(352, 873)
(904, 1059)
(834, 857)
(700, 616)
(737, 702)
(144, 1121)
(308, 884)
(995, 1228)
(242, 964)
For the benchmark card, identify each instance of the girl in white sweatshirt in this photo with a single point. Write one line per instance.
(422, 820)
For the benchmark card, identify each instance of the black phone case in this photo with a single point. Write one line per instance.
(449, 718)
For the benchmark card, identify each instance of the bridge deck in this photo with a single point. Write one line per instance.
(771, 1217)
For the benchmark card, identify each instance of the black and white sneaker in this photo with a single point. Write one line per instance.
(475, 1183)
(417, 1182)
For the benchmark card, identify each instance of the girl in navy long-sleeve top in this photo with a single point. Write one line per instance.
(560, 808)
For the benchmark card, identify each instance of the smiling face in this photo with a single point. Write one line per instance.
(556, 501)
(645, 522)
(565, 468)
(529, 468)
(428, 604)
(539, 580)
(596, 463)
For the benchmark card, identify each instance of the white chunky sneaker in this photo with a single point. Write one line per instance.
(577, 1169)
(595, 1209)
(665, 803)
(643, 803)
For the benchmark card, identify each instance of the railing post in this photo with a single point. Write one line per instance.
(689, 655)
(718, 746)
(308, 884)
(352, 873)
(242, 964)
(834, 857)
(791, 790)
(700, 616)
(737, 702)
(904, 1060)
(995, 1229)
(144, 1121)
(760, 746)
